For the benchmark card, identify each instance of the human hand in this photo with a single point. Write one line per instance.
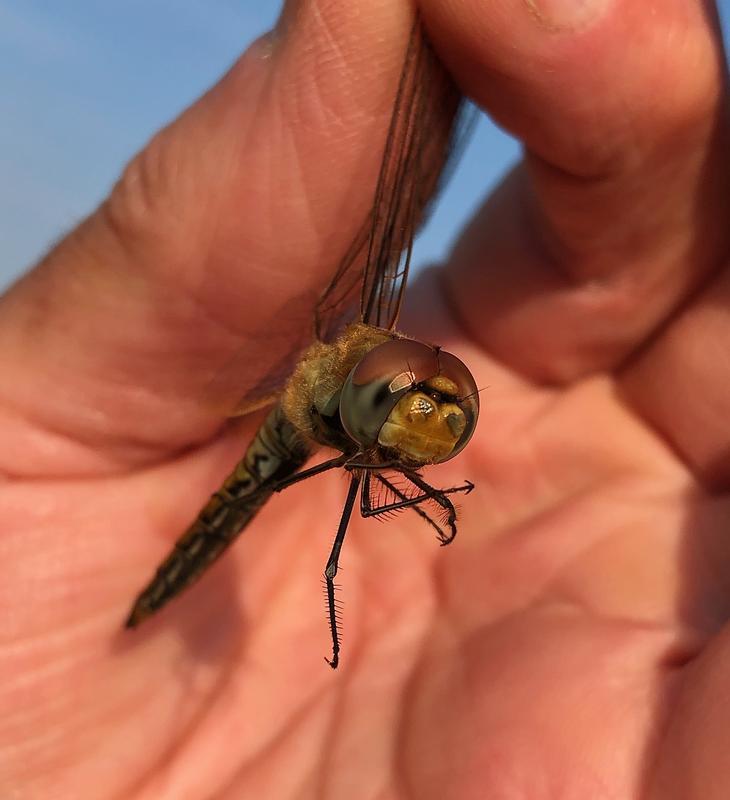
(570, 642)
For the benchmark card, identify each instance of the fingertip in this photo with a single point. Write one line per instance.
(583, 84)
(616, 214)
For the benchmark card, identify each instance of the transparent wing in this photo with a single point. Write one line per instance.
(427, 129)
(252, 367)
(421, 138)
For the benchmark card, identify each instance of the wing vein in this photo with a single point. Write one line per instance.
(418, 146)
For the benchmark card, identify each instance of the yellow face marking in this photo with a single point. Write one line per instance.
(423, 428)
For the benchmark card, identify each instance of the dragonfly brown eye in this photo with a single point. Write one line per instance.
(412, 398)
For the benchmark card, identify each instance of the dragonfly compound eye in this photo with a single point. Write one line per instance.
(411, 398)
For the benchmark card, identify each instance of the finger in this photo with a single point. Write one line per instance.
(619, 210)
(680, 383)
(222, 231)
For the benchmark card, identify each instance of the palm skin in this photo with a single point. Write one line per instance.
(570, 643)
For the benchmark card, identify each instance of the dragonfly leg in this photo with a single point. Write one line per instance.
(331, 569)
(427, 492)
(440, 496)
(353, 463)
(338, 461)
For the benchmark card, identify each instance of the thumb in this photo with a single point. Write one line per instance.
(216, 240)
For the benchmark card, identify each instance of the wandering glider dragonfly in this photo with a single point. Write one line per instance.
(388, 404)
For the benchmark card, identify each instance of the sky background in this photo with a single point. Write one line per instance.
(84, 84)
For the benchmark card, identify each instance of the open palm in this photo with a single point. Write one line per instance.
(570, 643)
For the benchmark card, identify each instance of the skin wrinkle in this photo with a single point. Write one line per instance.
(269, 747)
(296, 147)
(329, 739)
(50, 637)
(189, 304)
(337, 63)
(515, 528)
(533, 422)
(601, 157)
(317, 98)
(400, 776)
(517, 781)
(177, 747)
(264, 753)
(565, 252)
(539, 236)
(133, 202)
(536, 516)
(564, 600)
(56, 730)
(7, 474)
(336, 120)
(561, 591)
(299, 176)
(336, 54)
(266, 90)
(115, 464)
(562, 250)
(625, 368)
(544, 242)
(661, 722)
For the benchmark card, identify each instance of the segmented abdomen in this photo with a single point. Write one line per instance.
(275, 453)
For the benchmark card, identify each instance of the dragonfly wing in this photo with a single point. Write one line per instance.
(253, 377)
(335, 306)
(419, 142)
(426, 130)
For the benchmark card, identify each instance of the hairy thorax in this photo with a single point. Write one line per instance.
(312, 394)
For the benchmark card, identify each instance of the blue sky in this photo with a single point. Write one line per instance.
(84, 84)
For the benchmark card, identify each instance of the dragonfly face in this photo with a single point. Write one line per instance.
(390, 405)
(417, 402)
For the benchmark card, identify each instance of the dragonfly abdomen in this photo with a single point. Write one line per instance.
(275, 453)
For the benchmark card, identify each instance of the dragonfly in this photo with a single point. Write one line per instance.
(387, 404)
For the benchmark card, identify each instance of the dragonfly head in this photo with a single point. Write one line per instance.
(412, 399)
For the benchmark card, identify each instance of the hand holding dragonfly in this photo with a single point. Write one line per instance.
(571, 640)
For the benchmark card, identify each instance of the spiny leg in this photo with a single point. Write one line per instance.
(367, 509)
(440, 496)
(331, 463)
(331, 569)
(428, 492)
